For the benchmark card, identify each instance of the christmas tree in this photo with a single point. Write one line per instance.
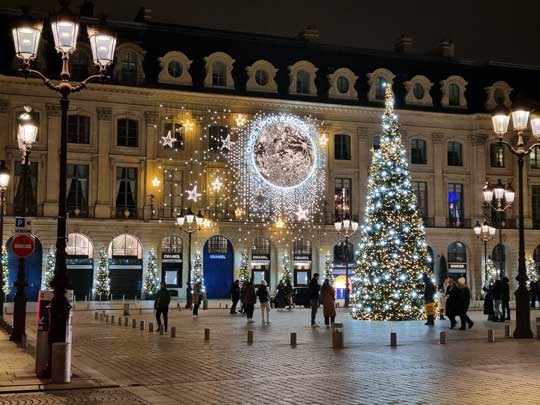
(49, 269)
(387, 283)
(286, 275)
(5, 272)
(244, 271)
(102, 277)
(329, 268)
(151, 280)
(197, 275)
(491, 272)
(532, 272)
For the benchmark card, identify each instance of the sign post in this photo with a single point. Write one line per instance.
(23, 245)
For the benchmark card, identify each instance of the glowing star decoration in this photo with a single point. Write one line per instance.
(301, 214)
(156, 182)
(167, 140)
(323, 140)
(240, 120)
(217, 184)
(280, 224)
(193, 195)
(226, 143)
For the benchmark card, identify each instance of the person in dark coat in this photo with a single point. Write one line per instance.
(235, 295)
(534, 289)
(429, 293)
(464, 300)
(250, 298)
(497, 295)
(161, 305)
(242, 295)
(279, 299)
(488, 302)
(313, 290)
(505, 299)
(451, 302)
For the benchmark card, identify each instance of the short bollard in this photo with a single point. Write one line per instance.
(226, 306)
(293, 339)
(119, 321)
(538, 332)
(134, 323)
(537, 321)
(112, 319)
(151, 327)
(141, 325)
(106, 318)
(100, 317)
(173, 331)
(442, 338)
(337, 335)
(250, 337)
(220, 305)
(506, 330)
(491, 336)
(393, 339)
(207, 334)
(126, 309)
(140, 311)
(161, 330)
(126, 321)
(96, 316)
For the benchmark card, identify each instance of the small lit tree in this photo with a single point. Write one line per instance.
(532, 272)
(151, 280)
(244, 270)
(329, 268)
(49, 269)
(5, 272)
(197, 275)
(103, 286)
(286, 275)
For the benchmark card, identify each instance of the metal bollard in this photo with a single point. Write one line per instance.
(226, 306)
(126, 309)
(538, 332)
(293, 339)
(491, 336)
(207, 334)
(96, 316)
(250, 337)
(106, 318)
(112, 319)
(134, 323)
(151, 327)
(337, 335)
(161, 330)
(220, 305)
(537, 320)
(393, 339)
(140, 311)
(126, 321)
(100, 317)
(119, 321)
(506, 330)
(141, 325)
(173, 331)
(442, 338)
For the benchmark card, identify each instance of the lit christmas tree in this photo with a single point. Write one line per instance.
(387, 283)
(532, 272)
(197, 275)
(5, 272)
(49, 269)
(329, 268)
(151, 280)
(286, 275)
(103, 286)
(244, 270)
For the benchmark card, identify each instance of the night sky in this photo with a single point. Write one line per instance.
(506, 31)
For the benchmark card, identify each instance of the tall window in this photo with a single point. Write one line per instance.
(128, 67)
(261, 247)
(30, 189)
(219, 74)
(172, 192)
(455, 154)
(534, 158)
(125, 246)
(455, 205)
(177, 133)
(127, 133)
(302, 247)
(79, 129)
(126, 192)
(496, 155)
(376, 142)
(343, 253)
(535, 205)
(302, 82)
(77, 190)
(216, 134)
(453, 95)
(499, 258)
(342, 201)
(380, 88)
(418, 152)
(342, 147)
(217, 245)
(79, 246)
(420, 190)
(457, 253)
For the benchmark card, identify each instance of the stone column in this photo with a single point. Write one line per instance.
(439, 160)
(478, 169)
(5, 128)
(50, 206)
(105, 176)
(364, 159)
(150, 165)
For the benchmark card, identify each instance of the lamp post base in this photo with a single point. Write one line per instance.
(523, 315)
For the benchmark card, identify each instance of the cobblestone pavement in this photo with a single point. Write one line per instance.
(227, 370)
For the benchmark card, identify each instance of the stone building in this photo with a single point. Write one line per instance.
(125, 189)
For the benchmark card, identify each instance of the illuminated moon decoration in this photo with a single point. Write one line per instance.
(279, 166)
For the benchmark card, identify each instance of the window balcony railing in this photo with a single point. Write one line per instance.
(458, 223)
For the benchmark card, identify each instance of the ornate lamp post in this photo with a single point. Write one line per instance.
(26, 137)
(4, 183)
(485, 233)
(189, 223)
(346, 228)
(520, 119)
(65, 29)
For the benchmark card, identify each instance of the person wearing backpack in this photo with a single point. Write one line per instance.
(264, 298)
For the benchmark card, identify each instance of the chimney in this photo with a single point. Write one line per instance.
(309, 34)
(144, 15)
(446, 49)
(404, 44)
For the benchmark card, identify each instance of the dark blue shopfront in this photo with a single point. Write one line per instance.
(218, 264)
(32, 271)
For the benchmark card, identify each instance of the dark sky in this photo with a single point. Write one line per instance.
(498, 30)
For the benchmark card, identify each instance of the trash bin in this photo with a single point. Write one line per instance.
(337, 336)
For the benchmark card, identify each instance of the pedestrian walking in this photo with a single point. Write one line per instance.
(250, 297)
(535, 290)
(197, 298)
(497, 299)
(505, 299)
(429, 302)
(328, 299)
(289, 294)
(451, 302)
(235, 295)
(464, 300)
(488, 302)
(161, 305)
(263, 292)
(313, 290)
(279, 299)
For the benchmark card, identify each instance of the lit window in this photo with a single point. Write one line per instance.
(496, 155)
(455, 205)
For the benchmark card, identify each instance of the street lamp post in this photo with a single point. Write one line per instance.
(4, 182)
(520, 119)
(189, 223)
(346, 228)
(485, 233)
(26, 136)
(65, 29)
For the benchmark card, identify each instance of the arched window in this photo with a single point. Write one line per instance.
(219, 74)
(128, 67)
(260, 248)
(302, 247)
(217, 245)
(302, 82)
(172, 245)
(343, 254)
(125, 246)
(499, 259)
(79, 245)
(457, 253)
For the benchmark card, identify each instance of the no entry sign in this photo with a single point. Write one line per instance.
(23, 245)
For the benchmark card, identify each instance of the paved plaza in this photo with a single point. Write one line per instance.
(121, 365)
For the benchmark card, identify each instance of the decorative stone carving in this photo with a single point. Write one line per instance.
(438, 138)
(104, 113)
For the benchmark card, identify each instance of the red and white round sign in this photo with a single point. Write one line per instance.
(23, 245)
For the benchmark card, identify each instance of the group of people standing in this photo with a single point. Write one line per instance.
(497, 300)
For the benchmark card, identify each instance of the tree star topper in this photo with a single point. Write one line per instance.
(193, 194)
(167, 140)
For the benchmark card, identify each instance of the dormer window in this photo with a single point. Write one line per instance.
(129, 68)
(453, 95)
(418, 91)
(453, 92)
(378, 80)
(80, 62)
(175, 68)
(219, 72)
(342, 84)
(498, 94)
(261, 77)
(302, 77)
(219, 68)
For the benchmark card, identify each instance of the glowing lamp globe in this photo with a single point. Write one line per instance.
(26, 40)
(65, 31)
(103, 45)
(4, 176)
